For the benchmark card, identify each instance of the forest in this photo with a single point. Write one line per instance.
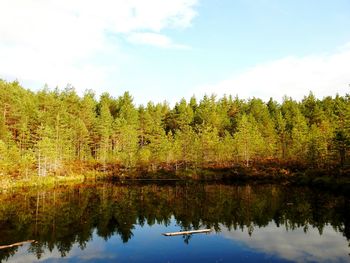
(57, 132)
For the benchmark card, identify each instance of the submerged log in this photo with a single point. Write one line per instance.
(17, 244)
(187, 232)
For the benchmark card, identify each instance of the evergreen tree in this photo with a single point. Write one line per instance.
(51, 131)
(181, 116)
(248, 139)
(188, 144)
(209, 140)
(319, 143)
(283, 135)
(125, 128)
(259, 110)
(104, 130)
(299, 137)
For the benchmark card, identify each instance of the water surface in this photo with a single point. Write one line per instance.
(118, 223)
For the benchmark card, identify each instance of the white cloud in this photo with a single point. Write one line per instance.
(295, 245)
(324, 75)
(58, 41)
(95, 250)
(154, 39)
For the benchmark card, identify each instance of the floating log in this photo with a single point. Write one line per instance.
(17, 244)
(187, 232)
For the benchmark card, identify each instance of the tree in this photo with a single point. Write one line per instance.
(259, 110)
(188, 144)
(104, 130)
(125, 130)
(319, 143)
(181, 116)
(342, 130)
(248, 139)
(209, 140)
(282, 133)
(126, 142)
(299, 137)
(46, 152)
(311, 109)
(53, 129)
(81, 140)
(224, 153)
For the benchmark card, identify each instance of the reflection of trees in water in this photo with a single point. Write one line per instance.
(62, 217)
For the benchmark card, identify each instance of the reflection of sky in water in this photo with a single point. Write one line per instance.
(295, 245)
(269, 244)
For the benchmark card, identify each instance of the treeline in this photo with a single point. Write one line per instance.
(53, 131)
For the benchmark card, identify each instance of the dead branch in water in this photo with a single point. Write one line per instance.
(187, 232)
(17, 244)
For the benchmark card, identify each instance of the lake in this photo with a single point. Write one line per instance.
(106, 222)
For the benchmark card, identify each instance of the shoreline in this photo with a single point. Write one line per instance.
(334, 181)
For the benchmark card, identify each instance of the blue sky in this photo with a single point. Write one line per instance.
(168, 49)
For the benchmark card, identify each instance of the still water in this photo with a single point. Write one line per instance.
(106, 222)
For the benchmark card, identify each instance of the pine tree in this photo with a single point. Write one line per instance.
(126, 130)
(259, 110)
(46, 151)
(104, 130)
(283, 135)
(180, 116)
(248, 139)
(209, 140)
(188, 144)
(319, 141)
(299, 137)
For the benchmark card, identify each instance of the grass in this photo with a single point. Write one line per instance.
(48, 181)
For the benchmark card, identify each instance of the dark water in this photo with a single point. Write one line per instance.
(118, 223)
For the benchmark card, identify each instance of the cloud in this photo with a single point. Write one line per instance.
(59, 41)
(295, 245)
(324, 75)
(154, 39)
(95, 250)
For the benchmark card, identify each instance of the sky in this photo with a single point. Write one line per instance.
(169, 49)
(295, 245)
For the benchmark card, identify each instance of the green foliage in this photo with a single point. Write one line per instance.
(299, 136)
(319, 143)
(45, 132)
(249, 140)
